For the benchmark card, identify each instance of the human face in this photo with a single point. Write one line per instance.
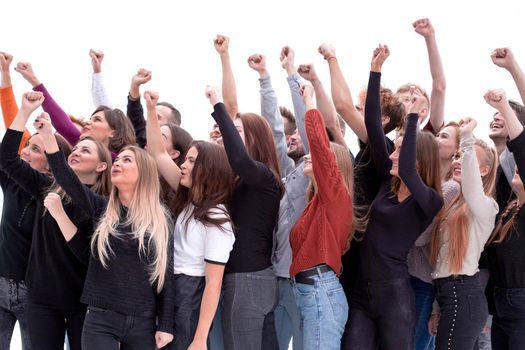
(34, 154)
(497, 127)
(308, 169)
(240, 128)
(458, 157)
(361, 98)
(97, 127)
(456, 166)
(187, 167)
(167, 138)
(394, 157)
(446, 139)
(84, 159)
(406, 97)
(296, 147)
(215, 135)
(163, 114)
(125, 172)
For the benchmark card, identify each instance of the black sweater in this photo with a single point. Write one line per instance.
(506, 260)
(393, 226)
(255, 202)
(122, 286)
(54, 275)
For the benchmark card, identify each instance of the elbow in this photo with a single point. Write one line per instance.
(343, 107)
(439, 86)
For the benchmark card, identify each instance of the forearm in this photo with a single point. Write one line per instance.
(517, 147)
(5, 78)
(210, 300)
(294, 82)
(437, 96)
(229, 89)
(67, 227)
(512, 123)
(19, 123)
(135, 113)
(519, 80)
(98, 91)
(327, 109)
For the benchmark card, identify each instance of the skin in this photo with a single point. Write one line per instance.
(187, 167)
(240, 128)
(394, 157)
(163, 114)
(34, 154)
(98, 128)
(456, 164)
(446, 139)
(296, 147)
(85, 162)
(124, 175)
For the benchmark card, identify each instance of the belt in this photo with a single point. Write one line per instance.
(304, 276)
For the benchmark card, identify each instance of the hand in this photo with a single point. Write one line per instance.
(5, 61)
(327, 50)
(26, 70)
(221, 44)
(503, 57)
(198, 345)
(417, 101)
(257, 62)
(31, 101)
(152, 98)
(379, 57)
(467, 125)
(287, 57)
(307, 71)
(53, 203)
(423, 27)
(307, 92)
(496, 98)
(213, 94)
(142, 77)
(42, 125)
(97, 57)
(162, 338)
(433, 323)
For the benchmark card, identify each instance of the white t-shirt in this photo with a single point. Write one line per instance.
(198, 244)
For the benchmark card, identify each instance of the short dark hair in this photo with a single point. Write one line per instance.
(175, 116)
(287, 114)
(519, 109)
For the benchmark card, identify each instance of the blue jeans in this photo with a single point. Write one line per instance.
(287, 317)
(324, 311)
(424, 299)
(508, 324)
(13, 300)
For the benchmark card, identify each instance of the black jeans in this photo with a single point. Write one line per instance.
(13, 300)
(109, 330)
(463, 310)
(47, 326)
(508, 323)
(382, 316)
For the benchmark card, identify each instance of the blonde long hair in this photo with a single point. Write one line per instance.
(454, 218)
(147, 217)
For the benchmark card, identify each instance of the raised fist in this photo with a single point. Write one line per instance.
(257, 62)
(31, 101)
(53, 203)
(467, 125)
(503, 57)
(221, 44)
(287, 57)
(5, 61)
(213, 94)
(97, 57)
(307, 91)
(151, 98)
(25, 69)
(379, 57)
(496, 98)
(43, 124)
(307, 71)
(417, 101)
(327, 50)
(423, 27)
(142, 77)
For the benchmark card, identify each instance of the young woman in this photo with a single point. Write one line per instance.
(320, 236)
(55, 275)
(126, 289)
(250, 285)
(459, 235)
(382, 308)
(505, 257)
(203, 232)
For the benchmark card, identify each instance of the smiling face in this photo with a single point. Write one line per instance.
(33, 154)
(484, 168)
(497, 128)
(97, 127)
(187, 167)
(84, 158)
(296, 146)
(447, 142)
(124, 172)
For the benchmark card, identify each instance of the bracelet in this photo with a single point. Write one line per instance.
(330, 58)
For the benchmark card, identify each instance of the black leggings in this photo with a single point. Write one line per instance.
(47, 326)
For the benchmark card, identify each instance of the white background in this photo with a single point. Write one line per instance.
(174, 40)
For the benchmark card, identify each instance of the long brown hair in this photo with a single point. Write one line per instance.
(124, 133)
(455, 125)
(506, 222)
(212, 185)
(259, 143)
(454, 218)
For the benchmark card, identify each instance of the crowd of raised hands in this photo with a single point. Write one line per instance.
(125, 231)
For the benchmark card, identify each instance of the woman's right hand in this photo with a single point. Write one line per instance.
(433, 324)
(31, 101)
(43, 126)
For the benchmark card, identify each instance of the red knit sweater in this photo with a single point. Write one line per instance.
(320, 234)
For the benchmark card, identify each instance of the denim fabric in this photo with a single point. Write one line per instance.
(110, 330)
(483, 342)
(463, 310)
(13, 300)
(508, 323)
(288, 317)
(382, 312)
(47, 326)
(248, 298)
(324, 311)
(424, 299)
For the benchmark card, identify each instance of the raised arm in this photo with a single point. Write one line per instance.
(229, 90)
(374, 128)
(437, 96)
(498, 99)
(295, 83)
(61, 122)
(242, 164)
(167, 167)
(98, 89)
(427, 198)
(325, 106)
(7, 97)
(504, 58)
(270, 111)
(341, 95)
(134, 110)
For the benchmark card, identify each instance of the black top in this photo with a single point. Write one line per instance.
(506, 260)
(122, 286)
(136, 116)
(54, 275)
(255, 202)
(393, 226)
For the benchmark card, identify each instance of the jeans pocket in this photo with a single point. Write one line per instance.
(263, 292)
(477, 305)
(96, 309)
(338, 303)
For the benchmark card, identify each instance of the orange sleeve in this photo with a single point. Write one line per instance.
(10, 110)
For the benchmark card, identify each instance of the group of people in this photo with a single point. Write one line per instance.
(122, 232)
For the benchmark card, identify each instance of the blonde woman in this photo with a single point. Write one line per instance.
(126, 289)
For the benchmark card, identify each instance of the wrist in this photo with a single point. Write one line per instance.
(263, 73)
(97, 70)
(33, 81)
(375, 68)
(290, 70)
(134, 92)
(330, 58)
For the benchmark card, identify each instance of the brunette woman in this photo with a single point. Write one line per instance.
(55, 276)
(382, 309)
(459, 235)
